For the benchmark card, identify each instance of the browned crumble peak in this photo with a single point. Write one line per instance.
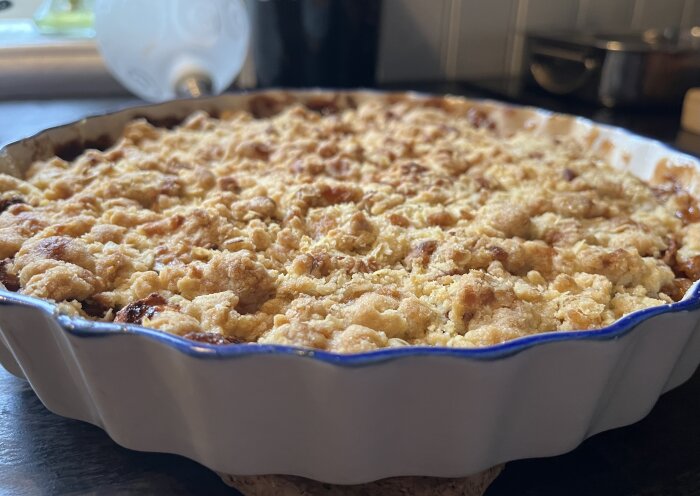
(135, 312)
(346, 226)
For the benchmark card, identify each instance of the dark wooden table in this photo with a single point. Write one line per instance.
(41, 453)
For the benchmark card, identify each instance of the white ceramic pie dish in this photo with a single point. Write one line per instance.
(259, 409)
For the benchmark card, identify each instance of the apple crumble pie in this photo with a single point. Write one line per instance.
(347, 227)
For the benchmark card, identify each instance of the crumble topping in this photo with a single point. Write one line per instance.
(395, 222)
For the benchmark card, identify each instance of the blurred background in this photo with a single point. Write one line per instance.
(472, 39)
(404, 40)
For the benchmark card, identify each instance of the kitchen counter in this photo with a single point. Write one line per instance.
(41, 453)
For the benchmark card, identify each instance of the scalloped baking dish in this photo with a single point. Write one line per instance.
(260, 409)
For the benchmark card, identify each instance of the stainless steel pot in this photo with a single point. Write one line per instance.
(652, 67)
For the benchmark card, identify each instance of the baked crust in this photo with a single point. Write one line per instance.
(348, 227)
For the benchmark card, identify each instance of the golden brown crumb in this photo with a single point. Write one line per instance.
(347, 227)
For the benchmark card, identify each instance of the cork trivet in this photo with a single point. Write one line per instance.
(287, 485)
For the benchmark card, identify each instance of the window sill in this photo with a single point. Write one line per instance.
(33, 65)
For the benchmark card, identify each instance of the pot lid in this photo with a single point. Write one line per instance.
(670, 40)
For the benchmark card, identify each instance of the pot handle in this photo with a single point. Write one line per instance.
(561, 71)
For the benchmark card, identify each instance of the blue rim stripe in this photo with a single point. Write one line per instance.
(80, 327)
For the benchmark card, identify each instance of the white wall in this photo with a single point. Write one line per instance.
(21, 9)
(425, 40)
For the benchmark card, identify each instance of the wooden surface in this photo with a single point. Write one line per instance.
(41, 453)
